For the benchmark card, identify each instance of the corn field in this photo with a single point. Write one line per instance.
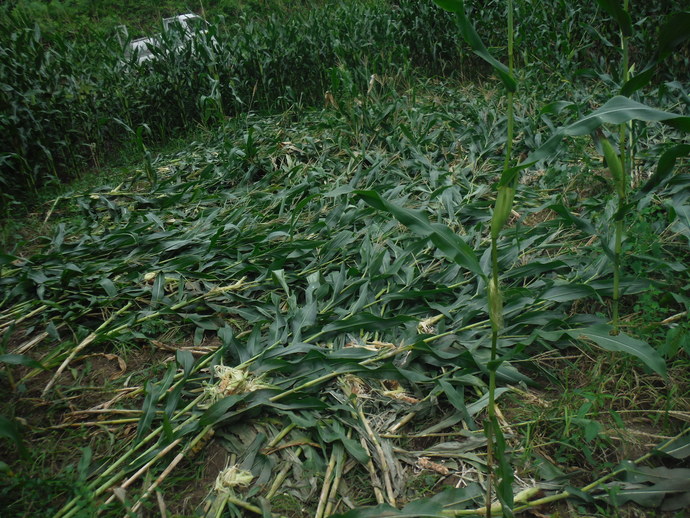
(416, 260)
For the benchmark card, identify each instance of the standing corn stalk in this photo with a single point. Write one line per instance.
(620, 167)
(502, 210)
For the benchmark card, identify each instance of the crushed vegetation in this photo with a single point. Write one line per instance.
(290, 316)
(253, 300)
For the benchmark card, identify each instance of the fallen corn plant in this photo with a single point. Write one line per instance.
(350, 345)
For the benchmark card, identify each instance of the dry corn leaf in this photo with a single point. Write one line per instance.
(426, 463)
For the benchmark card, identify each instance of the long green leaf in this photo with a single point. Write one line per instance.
(621, 109)
(617, 110)
(651, 495)
(363, 321)
(665, 165)
(438, 506)
(622, 17)
(452, 246)
(218, 409)
(674, 32)
(601, 335)
(470, 35)
(20, 359)
(639, 80)
(154, 391)
(678, 448)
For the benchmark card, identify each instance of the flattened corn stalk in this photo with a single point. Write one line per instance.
(102, 333)
(325, 489)
(385, 470)
(523, 498)
(73, 506)
(339, 467)
(178, 458)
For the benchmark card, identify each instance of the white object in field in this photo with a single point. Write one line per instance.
(190, 24)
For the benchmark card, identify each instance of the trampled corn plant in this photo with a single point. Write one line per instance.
(324, 333)
(61, 99)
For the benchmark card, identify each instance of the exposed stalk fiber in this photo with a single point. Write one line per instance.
(402, 422)
(93, 423)
(332, 375)
(277, 397)
(375, 481)
(99, 334)
(276, 440)
(333, 496)
(82, 345)
(280, 478)
(386, 475)
(146, 466)
(325, 489)
(244, 505)
(23, 348)
(171, 466)
(72, 507)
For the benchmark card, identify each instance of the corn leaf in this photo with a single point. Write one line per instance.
(470, 35)
(20, 359)
(678, 448)
(601, 335)
(622, 17)
(616, 110)
(504, 489)
(665, 165)
(674, 32)
(363, 321)
(453, 247)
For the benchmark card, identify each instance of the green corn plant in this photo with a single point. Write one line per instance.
(502, 209)
(138, 141)
(620, 166)
(621, 111)
(671, 34)
(620, 181)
